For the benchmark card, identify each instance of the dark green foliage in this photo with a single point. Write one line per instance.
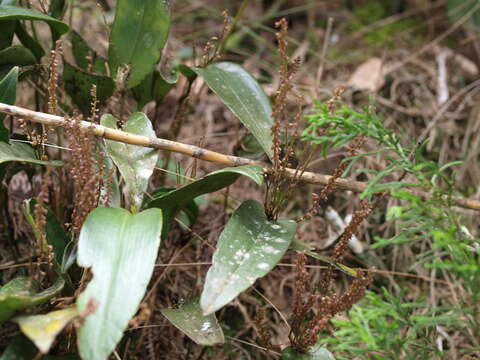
(78, 84)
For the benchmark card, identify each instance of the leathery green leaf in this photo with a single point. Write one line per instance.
(202, 329)
(11, 12)
(248, 248)
(172, 202)
(23, 292)
(120, 248)
(43, 329)
(244, 97)
(8, 95)
(135, 163)
(139, 33)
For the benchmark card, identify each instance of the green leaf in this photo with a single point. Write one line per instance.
(153, 88)
(43, 329)
(28, 41)
(57, 8)
(299, 245)
(244, 97)
(19, 348)
(23, 292)
(10, 12)
(16, 55)
(248, 248)
(139, 32)
(136, 163)
(78, 84)
(8, 95)
(318, 354)
(22, 152)
(82, 51)
(120, 248)
(202, 329)
(171, 203)
(187, 216)
(6, 35)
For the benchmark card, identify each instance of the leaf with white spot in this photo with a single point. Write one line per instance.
(136, 163)
(248, 248)
(203, 329)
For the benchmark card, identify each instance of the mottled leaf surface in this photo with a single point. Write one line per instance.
(135, 163)
(202, 329)
(248, 248)
(244, 97)
(120, 249)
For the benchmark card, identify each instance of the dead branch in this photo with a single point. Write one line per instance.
(200, 153)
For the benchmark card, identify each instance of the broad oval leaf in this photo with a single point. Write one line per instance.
(8, 95)
(11, 12)
(23, 292)
(136, 163)
(120, 248)
(17, 151)
(43, 329)
(139, 32)
(244, 97)
(202, 329)
(316, 354)
(248, 248)
(172, 202)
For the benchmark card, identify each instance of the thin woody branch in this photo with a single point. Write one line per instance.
(199, 153)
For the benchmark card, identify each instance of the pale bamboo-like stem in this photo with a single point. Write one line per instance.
(199, 153)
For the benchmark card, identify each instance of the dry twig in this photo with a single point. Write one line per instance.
(200, 153)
